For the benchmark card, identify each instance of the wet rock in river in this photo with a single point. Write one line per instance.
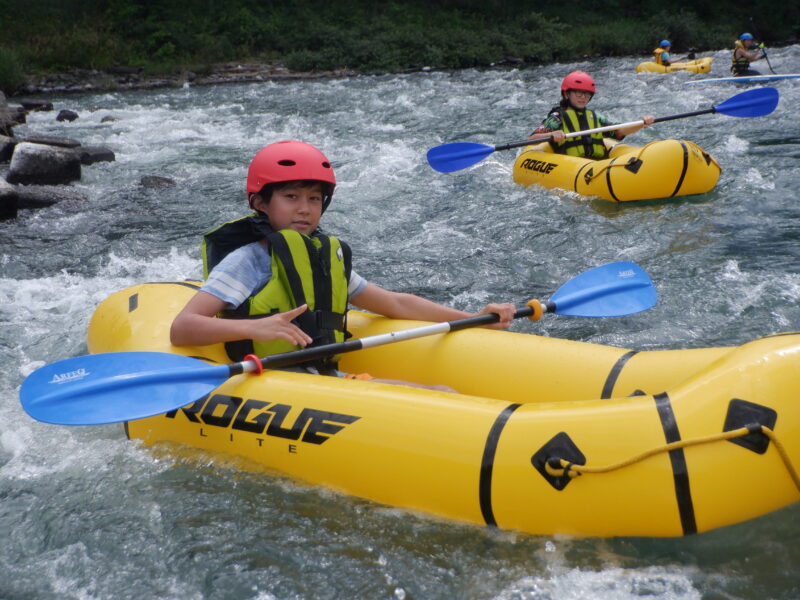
(43, 164)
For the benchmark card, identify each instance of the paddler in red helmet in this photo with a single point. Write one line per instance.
(275, 282)
(571, 115)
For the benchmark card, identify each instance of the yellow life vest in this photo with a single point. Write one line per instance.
(657, 56)
(740, 64)
(311, 270)
(587, 146)
(305, 270)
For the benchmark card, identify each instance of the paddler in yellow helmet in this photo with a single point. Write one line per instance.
(571, 115)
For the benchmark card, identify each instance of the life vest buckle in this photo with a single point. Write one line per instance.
(326, 319)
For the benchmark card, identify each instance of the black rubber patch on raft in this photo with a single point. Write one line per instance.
(559, 447)
(742, 413)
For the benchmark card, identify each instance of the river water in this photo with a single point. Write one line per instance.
(87, 514)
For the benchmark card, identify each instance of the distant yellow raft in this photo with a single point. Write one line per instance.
(700, 65)
(660, 169)
(495, 453)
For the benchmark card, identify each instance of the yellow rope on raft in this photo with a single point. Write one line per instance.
(572, 470)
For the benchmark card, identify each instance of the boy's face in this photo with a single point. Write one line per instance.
(296, 207)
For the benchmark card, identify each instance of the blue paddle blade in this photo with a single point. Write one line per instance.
(613, 290)
(458, 155)
(752, 103)
(115, 387)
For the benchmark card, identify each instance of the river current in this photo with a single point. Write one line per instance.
(86, 514)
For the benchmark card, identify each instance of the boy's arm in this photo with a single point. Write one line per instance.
(397, 305)
(751, 55)
(197, 325)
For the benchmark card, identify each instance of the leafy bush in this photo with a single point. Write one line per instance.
(682, 28)
(365, 35)
(12, 75)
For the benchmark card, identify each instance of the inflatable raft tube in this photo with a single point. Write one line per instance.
(648, 428)
(660, 169)
(700, 65)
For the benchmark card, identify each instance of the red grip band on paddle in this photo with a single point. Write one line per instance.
(537, 310)
(259, 367)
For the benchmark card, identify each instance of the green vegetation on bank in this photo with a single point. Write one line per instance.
(370, 36)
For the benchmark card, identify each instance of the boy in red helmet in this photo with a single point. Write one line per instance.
(282, 283)
(571, 115)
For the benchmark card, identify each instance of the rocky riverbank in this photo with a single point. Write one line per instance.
(134, 78)
(36, 171)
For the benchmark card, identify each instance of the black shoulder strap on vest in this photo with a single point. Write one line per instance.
(348, 260)
(322, 271)
(280, 247)
(228, 237)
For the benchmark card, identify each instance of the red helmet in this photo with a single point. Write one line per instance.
(578, 80)
(289, 161)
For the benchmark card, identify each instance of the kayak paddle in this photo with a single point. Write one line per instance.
(764, 52)
(124, 386)
(447, 158)
(761, 46)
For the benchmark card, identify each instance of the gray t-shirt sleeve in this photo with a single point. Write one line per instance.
(239, 275)
(356, 285)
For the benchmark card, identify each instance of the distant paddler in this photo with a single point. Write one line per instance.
(745, 51)
(662, 56)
